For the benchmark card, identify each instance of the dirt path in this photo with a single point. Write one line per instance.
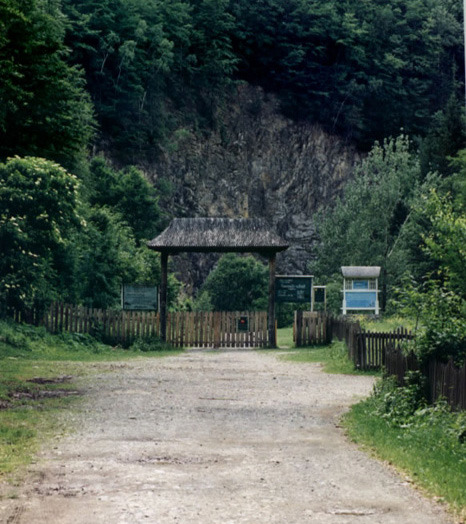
(215, 437)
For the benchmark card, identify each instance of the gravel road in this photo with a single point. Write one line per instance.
(214, 437)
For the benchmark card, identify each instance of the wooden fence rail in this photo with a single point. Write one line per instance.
(367, 349)
(372, 346)
(184, 329)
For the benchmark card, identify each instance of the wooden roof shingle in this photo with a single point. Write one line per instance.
(218, 235)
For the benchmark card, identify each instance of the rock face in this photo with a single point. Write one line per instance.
(256, 164)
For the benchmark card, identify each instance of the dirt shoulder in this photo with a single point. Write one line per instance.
(215, 437)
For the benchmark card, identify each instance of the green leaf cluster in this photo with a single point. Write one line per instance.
(361, 68)
(61, 241)
(364, 226)
(236, 284)
(45, 109)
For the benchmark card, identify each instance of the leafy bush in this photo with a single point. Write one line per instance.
(397, 404)
(237, 284)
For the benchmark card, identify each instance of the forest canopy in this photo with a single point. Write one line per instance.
(136, 71)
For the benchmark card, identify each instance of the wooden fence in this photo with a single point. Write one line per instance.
(444, 380)
(367, 349)
(184, 329)
(311, 328)
(221, 329)
(371, 347)
(371, 350)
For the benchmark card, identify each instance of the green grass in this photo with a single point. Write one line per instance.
(388, 323)
(333, 357)
(28, 411)
(429, 449)
(285, 338)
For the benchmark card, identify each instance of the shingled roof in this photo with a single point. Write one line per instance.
(360, 271)
(218, 234)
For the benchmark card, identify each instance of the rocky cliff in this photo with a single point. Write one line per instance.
(257, 163)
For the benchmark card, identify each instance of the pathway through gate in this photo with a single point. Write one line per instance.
(210, 437)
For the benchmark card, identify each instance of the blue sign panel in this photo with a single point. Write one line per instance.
(360, 300)
(360, 284)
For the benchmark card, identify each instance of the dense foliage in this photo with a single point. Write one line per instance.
(39, 218)
(133, 77)
(364, 226)
(58, 244)
(156, 68)
(358, 67)
(235, 284)
(437, 299)
(45, 109)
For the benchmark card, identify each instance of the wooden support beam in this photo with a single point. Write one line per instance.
(163, 297)
(271, 310)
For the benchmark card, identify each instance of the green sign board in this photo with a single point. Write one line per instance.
(293, 288)
(139, 298)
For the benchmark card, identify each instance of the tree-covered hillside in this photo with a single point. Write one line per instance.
(131, 78)
(363, 69)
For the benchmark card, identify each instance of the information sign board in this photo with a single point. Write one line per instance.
(139, 298)
(293, 288)
(360, 299)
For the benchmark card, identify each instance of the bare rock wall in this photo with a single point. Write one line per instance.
(257, 163)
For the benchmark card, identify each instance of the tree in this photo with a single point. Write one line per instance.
(44, 107)
(39, 222)
(237, 284)
(364, 69)
(438, 299)
(129, 193)
(446, 136)
(363, 227)
(150, 66)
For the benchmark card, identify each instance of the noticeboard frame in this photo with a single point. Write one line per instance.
(283, 295)
(135, 297)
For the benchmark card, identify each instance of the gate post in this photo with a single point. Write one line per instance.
(271, 312)
(163, 297)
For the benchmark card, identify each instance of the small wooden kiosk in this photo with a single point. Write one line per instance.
(360, 288)
(221, 235)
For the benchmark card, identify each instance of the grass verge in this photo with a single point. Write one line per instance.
(429, 447)
(334, 356)
(37, 383)
(383, 324)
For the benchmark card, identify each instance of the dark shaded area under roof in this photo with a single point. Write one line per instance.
(218, 235)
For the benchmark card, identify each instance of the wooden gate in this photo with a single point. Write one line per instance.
(220, 329)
